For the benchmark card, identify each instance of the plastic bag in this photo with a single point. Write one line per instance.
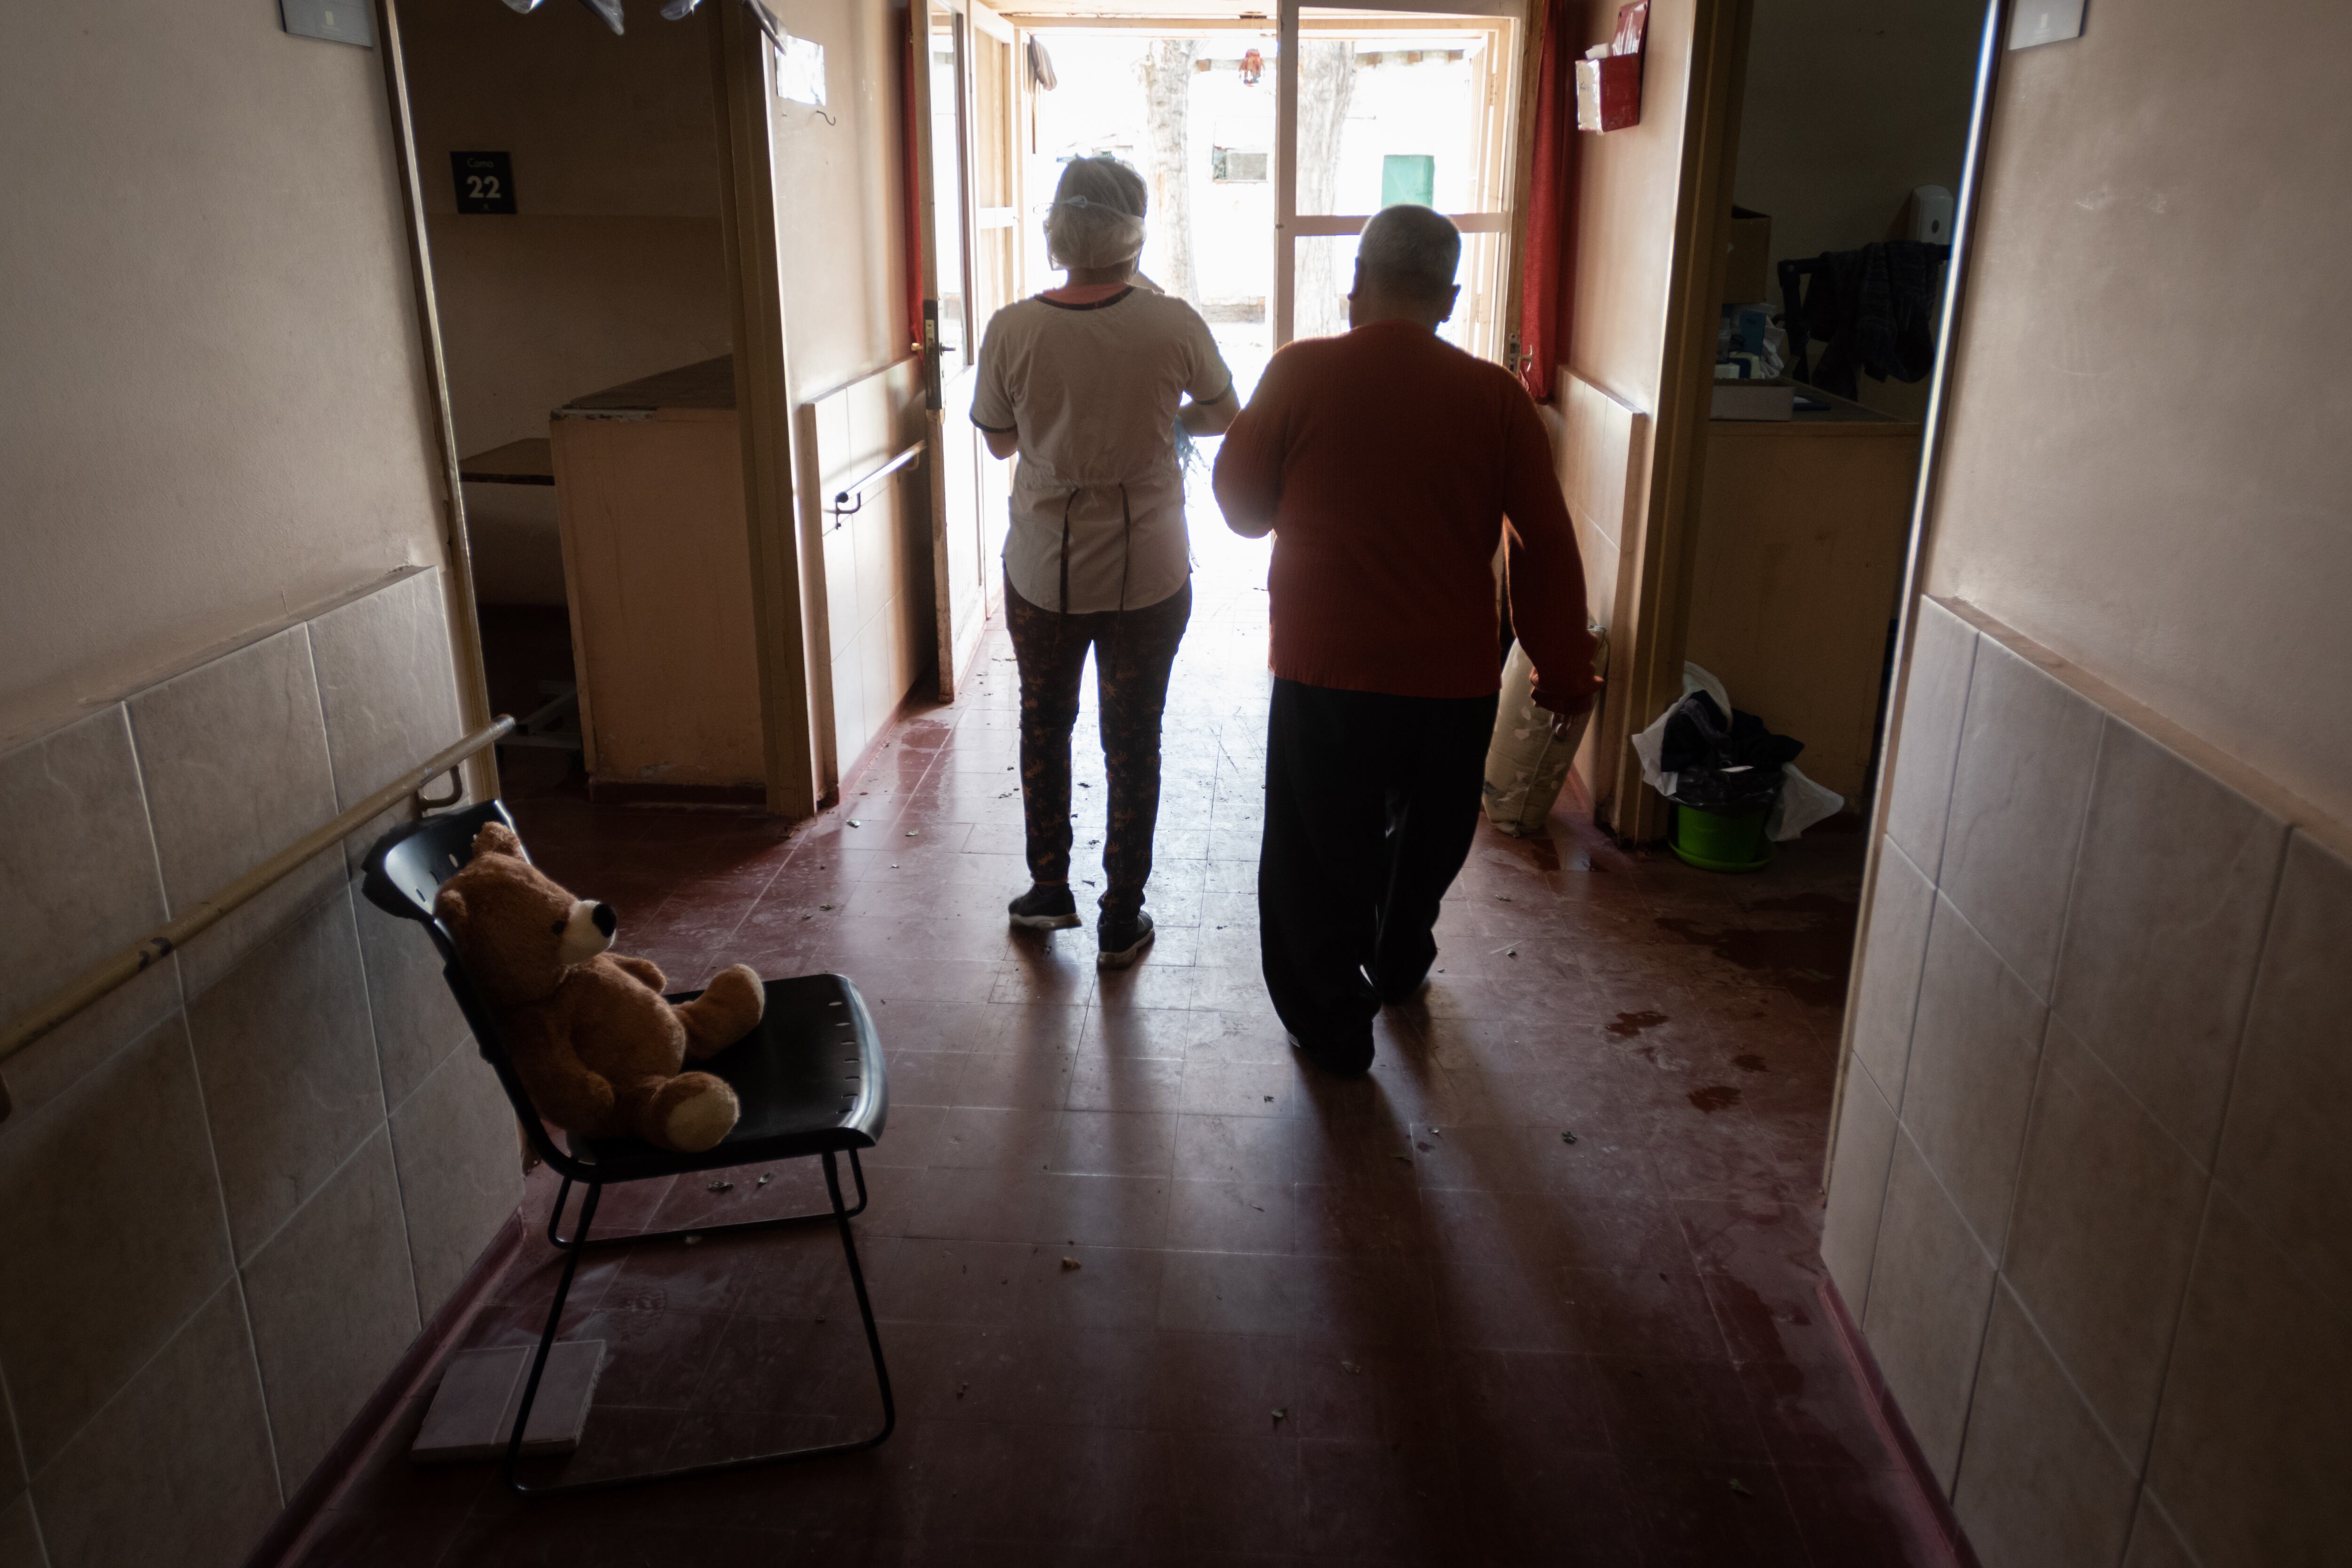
(1801, 803)
(1706, 754)
(1527, 765)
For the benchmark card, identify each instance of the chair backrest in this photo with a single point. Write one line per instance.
(404, 871)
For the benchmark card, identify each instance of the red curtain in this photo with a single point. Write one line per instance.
(1543, 315)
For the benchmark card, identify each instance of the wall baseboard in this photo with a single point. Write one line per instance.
(309, 1507)
(1897, 1430)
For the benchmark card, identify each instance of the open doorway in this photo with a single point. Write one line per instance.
(569, 182)
(1386, 110)
(1261, 179)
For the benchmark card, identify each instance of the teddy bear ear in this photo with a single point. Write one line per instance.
(497, 839)
(449, 905)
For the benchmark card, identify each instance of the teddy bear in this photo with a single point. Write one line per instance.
(598, 1050)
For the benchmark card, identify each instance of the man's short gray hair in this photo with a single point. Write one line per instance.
(1411, 250)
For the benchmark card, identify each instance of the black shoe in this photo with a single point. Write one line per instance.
(1395, 993)
(1348, 1059)
(1124, 935)
(1044, 909)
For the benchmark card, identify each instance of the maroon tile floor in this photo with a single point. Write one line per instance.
(1404, 1320)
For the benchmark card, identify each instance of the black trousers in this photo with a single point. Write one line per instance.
(1371, 802)
(1133, 650)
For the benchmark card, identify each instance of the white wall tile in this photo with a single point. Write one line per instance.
(2108, 1212)
(111, 1233)
(2254, 1439)
(389, 691)
(1930, 1288)
(333, 1306)
(1975, 1049)
(417, 1022)
(1900, 909)
(2039, 1483)
(177, 1468)
(1865, 1142)
(2028, 746)
(289, 1069)
(2153, 1542)
(2172, 891)
(1942, 655)
(20, 1540)
(234, 756)
(460, 1165)
(2286, 1154)
(78, 881)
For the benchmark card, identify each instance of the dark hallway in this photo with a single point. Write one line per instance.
(1543, 1288)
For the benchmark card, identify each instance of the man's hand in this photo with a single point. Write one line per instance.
(1567, 713)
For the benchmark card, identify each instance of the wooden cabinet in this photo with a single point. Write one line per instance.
(650, 489)
(1798, 563)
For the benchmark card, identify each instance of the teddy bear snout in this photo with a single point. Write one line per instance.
(587, 932)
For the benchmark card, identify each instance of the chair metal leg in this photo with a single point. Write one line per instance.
(555, 1220)
(580, 1242)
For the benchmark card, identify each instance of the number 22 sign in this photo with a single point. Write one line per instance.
(485, 182)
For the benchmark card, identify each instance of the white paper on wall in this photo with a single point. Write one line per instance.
(799, 70)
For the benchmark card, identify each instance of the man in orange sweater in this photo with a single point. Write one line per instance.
(1388, 465)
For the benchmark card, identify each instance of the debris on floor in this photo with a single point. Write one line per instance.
(1070, 1264)
(721, 1187)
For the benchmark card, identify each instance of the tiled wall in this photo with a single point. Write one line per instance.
(2092, 1195)
(232, 1192)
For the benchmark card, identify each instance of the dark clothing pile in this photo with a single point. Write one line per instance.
(1874, 309)
(1733, 768)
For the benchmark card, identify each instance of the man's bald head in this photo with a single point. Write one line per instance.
(1405, 264)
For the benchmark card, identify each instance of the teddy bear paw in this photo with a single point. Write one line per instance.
(725, 1012)
(694, 1111)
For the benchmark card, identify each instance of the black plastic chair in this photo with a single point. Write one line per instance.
(810, 1081)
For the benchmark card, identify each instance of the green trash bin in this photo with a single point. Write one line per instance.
(1714, 842)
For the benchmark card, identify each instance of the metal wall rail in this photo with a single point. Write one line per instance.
(176, 932)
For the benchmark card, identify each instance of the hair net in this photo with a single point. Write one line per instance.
(1097, 218)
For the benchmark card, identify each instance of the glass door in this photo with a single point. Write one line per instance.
(1378, 106)
(938, 82)
(997, 260)
(966, 92)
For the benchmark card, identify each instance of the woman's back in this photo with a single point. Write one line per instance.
(1094, 389)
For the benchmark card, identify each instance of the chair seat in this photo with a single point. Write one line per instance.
(809, 1079)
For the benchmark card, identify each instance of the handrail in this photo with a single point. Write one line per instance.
(176, 932)
(841, 507)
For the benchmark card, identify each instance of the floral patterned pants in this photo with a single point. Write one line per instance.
(1133, 650)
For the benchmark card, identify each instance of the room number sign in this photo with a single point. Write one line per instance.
(485, 182)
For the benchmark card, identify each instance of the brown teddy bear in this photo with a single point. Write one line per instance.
(596, 1046)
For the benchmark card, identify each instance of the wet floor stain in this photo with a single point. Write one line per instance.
(1628, 1025)
(1805, 945)
(1715, 1097)
(1751, 1062)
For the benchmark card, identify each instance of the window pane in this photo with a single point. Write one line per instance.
(1394, 116)
(1326, 271)
(947, 191)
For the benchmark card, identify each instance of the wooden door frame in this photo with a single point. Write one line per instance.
(1651, 628)
(779, 552)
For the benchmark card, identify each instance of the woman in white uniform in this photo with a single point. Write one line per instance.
(1089, 382)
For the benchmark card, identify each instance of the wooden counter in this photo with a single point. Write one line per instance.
(1799, 561)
